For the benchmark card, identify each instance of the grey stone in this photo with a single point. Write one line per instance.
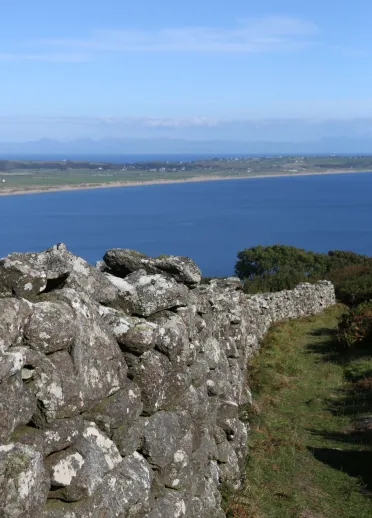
(122, 261)
(29, 274)
(135, 335)
(24, 482)
(139, 338)
(51, 327)
(130, 438)
(12, 362)
(20, 274)
(174, 504)
(121, 409)
(172, 338)
(150, 374)
(127, 296)
(117, 321)
(62, 433)
(13, 317)
(17, 405)
(29, 436)
(77, 472)
(55, 385)
(182, 269)
(78, 274)
(155, 293)
(53, 437)
(161, 438)
(124, 492)
(97, 359)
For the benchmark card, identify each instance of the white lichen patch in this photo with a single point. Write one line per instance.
(121, 284)
(26, 481)
(180, 457)
(121, 328)
(91, 376)
(50, 435)
(107, 447)
(179, 509)
(81, 266)
(55, 390)
(6, 448)
(66, 469)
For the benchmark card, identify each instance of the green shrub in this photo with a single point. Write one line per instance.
(271, 260)
(355, 327)
(353, 284)
(283, 280)
(278, 267)
(342, 258)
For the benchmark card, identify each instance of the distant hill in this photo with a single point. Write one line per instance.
(336, 145)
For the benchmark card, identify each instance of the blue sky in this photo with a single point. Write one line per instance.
(92, 64)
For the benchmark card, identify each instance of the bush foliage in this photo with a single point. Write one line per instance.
(355, 327)
(353, 283)
(280, 267)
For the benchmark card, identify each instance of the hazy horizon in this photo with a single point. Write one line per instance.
(271, 131)
(195, 71)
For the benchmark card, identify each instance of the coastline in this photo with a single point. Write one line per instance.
(196, 179)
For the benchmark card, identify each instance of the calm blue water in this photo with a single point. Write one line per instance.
(207, 221)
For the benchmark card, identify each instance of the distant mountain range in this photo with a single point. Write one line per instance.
(332, 145)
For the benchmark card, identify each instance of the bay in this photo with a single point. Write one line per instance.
(208, 221)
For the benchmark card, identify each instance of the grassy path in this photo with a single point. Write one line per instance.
(305, 462)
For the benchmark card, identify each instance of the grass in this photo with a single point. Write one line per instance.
(53, 178)
(304, 460)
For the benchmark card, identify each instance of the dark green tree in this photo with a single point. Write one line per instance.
(342, 258)
(264, 261)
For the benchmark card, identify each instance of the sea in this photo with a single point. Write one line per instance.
(208, 221)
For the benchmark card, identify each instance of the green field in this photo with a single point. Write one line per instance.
(28, 175)
(305, 461)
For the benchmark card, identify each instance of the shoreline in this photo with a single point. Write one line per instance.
(196, 179)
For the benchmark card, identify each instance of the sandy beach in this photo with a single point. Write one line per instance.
(206, 178)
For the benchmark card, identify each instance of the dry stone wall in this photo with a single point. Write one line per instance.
(123, 387)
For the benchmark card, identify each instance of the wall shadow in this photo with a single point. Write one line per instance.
(354, 463)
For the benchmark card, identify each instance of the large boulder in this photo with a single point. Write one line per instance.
(125, 492)
(155, 293)
(98, 362)
(182, 269)
(122, 261)
(29, 274)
